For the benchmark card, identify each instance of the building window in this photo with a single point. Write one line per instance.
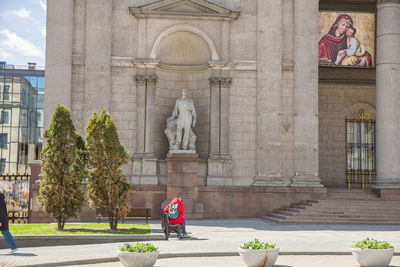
(4, 117)
(6, 92)
(3, 140)
(361, 151)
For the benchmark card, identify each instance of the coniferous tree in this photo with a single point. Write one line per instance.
(60, 195)
(107, 188)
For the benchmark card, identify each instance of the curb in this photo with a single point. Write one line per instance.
(195, 254)
(65, 240)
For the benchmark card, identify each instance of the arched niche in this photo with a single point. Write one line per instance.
(184, 45)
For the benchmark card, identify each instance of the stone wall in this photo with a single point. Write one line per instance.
(219, 202)
(336, 102)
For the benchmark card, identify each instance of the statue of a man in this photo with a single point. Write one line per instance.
(185, 114)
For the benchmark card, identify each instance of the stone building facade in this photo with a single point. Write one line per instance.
(271, 122)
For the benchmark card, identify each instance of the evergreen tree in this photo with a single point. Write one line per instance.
(60, 195)
(107, 188)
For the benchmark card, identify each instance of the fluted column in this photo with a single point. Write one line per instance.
(140, 111)
(214, 115)
(219, 161)
(306, 94)
(151, 82)
(224, 116)
(388, 94)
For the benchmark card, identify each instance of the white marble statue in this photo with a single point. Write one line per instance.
(179, 127)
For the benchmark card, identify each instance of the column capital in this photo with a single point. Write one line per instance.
(214, 81)
(226, 82)
(140, 80)
(151, 80)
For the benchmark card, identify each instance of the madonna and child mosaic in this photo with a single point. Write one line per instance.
(346, 39)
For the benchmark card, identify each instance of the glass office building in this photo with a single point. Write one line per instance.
(21, 116)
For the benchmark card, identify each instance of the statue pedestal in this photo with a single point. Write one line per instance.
(182, 181)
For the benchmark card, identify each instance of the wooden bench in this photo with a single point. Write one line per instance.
(133, 213)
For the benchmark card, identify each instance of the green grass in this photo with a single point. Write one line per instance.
(78, 229)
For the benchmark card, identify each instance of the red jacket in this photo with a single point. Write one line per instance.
(181, 211)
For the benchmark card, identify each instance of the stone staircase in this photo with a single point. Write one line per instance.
(341, 206)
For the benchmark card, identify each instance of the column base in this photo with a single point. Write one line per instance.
(387, 183)
(219, 170)
(306, 181)
(144, 169)
(270, 180)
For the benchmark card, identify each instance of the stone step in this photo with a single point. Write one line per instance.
(339, 211)
(330, 221)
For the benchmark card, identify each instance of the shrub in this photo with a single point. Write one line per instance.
(256, 244)
(371, 244)
(138, 247)
(60, 194)
(107, 188)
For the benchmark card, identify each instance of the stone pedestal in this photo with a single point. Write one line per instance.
(144, 169)
(182, 181)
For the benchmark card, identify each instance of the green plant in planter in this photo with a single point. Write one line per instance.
(371, 244)
(138, 247)
(256, 244)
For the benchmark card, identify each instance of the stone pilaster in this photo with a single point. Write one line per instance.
(219, 161)
(97, 93)
(388, 94)
(58, 56)
(269, 109)
(144, 160)
(306, 94)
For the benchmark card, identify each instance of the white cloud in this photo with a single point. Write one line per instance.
(11, 41)
(4, 54)
(43, 5)
(43, 31)
(21, 13)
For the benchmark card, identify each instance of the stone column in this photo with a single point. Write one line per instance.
(306, 94)
(388, 94)
(60, 15)
(144, 160)
(219, 160)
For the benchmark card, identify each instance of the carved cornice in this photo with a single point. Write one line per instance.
(235, 65)
(122, 62)
(167, 9)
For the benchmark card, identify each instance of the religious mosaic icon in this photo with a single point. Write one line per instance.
(346, 39)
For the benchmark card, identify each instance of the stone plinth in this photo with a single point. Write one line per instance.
(182, 181)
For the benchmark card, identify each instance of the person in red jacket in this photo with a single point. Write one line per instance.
(181, 212)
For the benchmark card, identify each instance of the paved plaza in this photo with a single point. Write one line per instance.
(214, 242)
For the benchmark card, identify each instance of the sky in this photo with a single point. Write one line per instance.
(23, 31)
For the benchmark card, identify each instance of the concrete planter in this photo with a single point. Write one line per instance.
(138, 259)
(259, 257)
(373, 257)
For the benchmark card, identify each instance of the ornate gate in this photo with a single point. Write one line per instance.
(360, 149)
(15, 188)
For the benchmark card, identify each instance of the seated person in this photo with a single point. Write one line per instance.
(176, 214)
